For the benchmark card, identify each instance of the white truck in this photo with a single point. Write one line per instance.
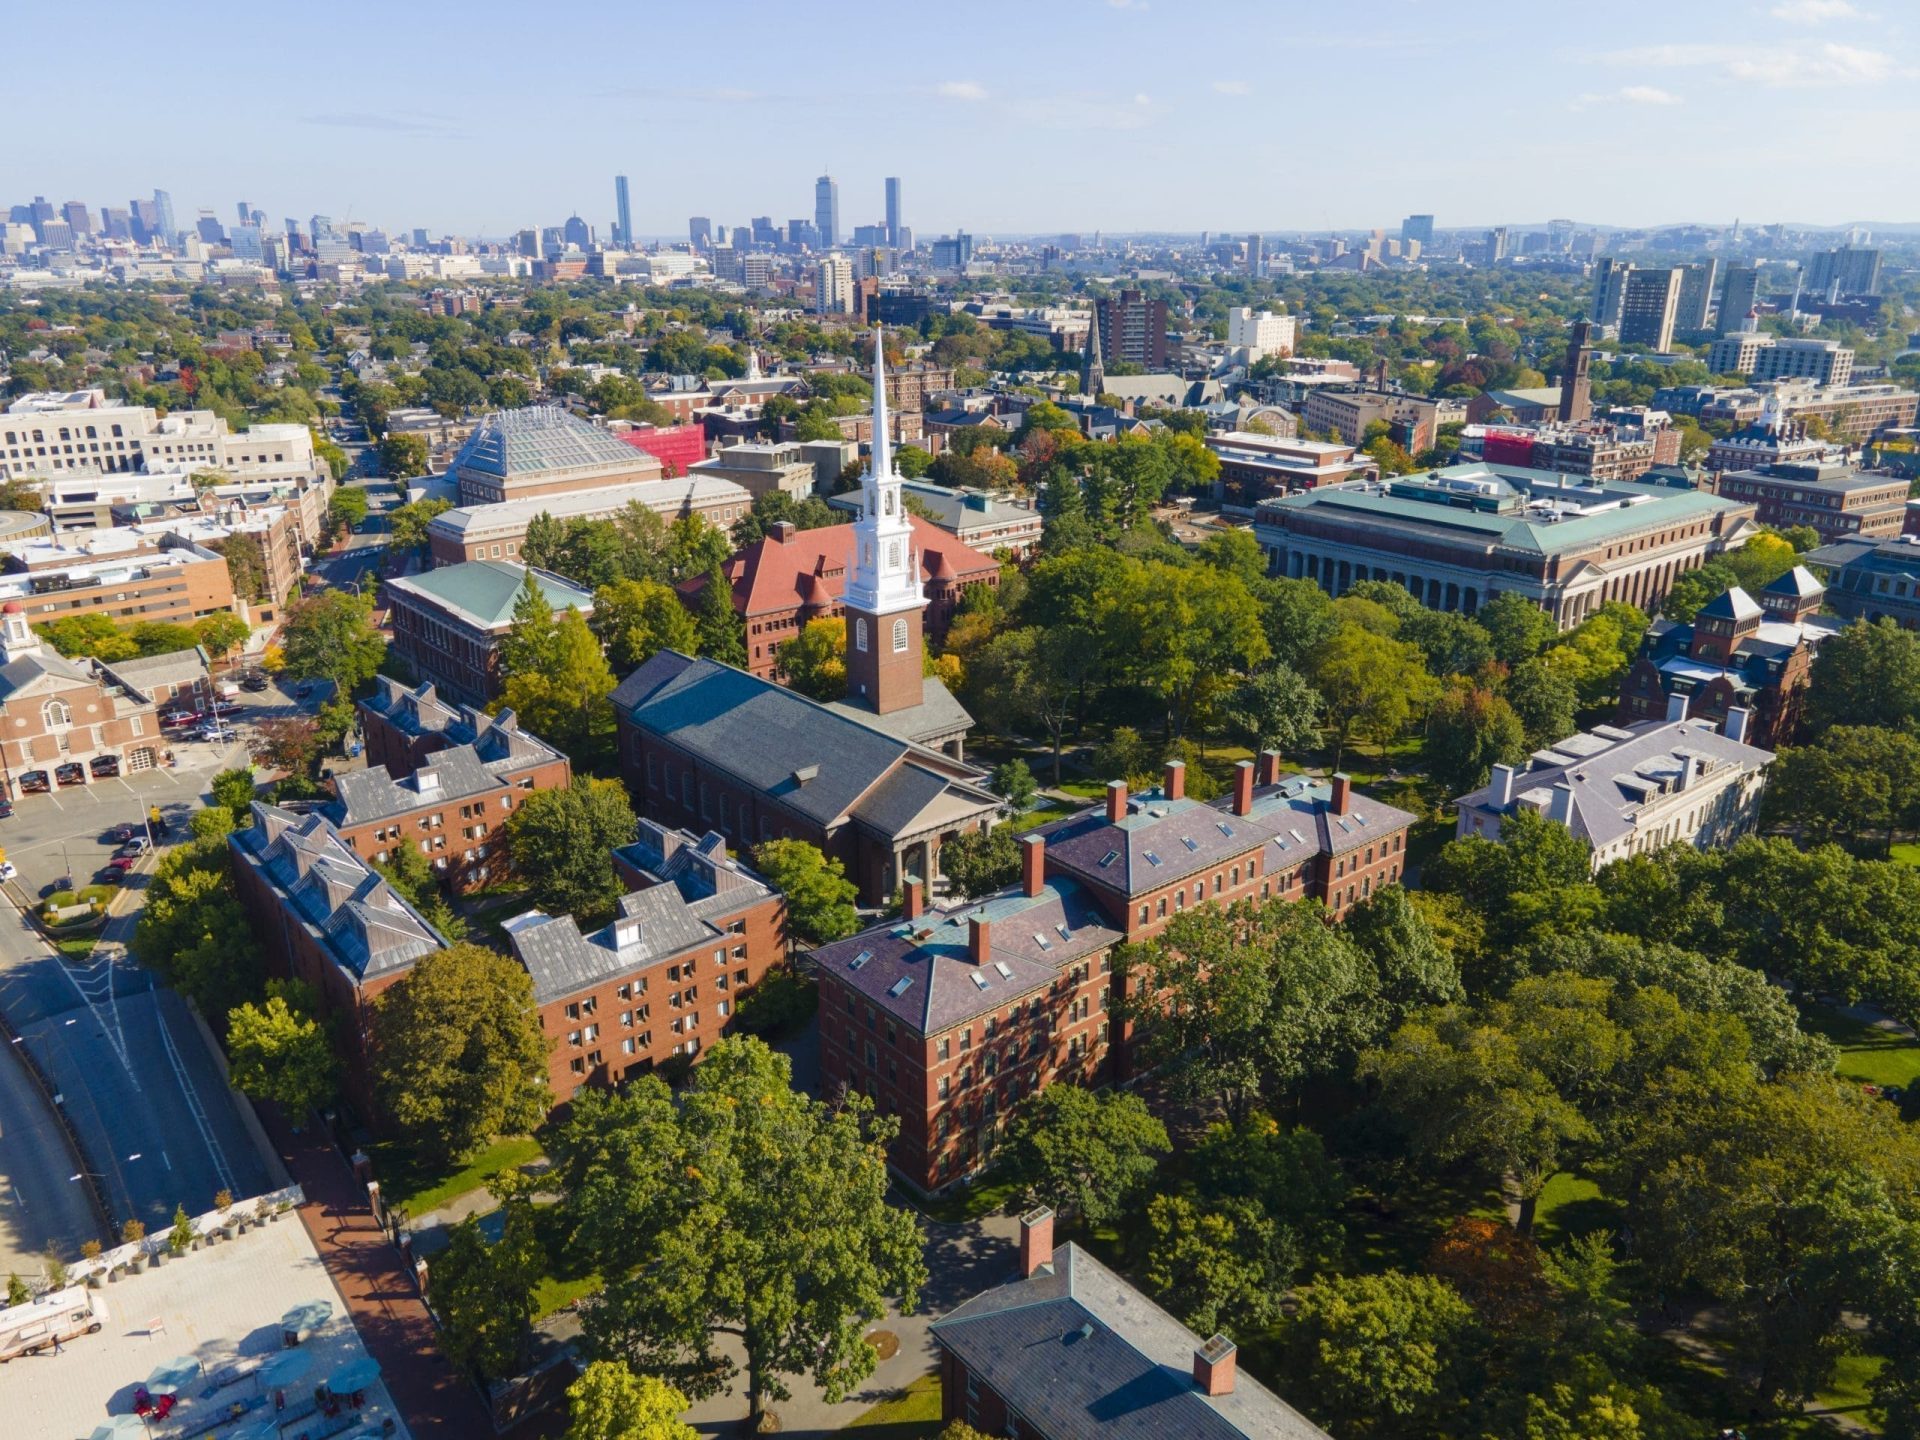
(53, 1319)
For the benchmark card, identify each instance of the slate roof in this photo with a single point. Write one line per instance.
(1613, 771)
(539, 438)
(362, 920)
(17, 675)
(1161, 841)
(651, 927)
(822, 762)
(143, 672)
(364, 796)
(1731, 604)
(420, 711)
(922, 971)
(1079, 1354)
(937, 716)
(482, 592)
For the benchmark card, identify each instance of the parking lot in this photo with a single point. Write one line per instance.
(154, 1114)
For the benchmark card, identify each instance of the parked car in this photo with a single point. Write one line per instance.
(175, 718)
(8, 870)
(6, 808)
(104, 767)
(305, 689)
(123, 862)
(213, 732)
(254, 680)
(34, 782)
(223, 708)
(136, 847)
(71, 773)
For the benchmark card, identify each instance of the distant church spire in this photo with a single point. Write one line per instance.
(1094, 378)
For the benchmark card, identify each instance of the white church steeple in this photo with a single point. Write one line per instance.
(884, 598)
(886, 572)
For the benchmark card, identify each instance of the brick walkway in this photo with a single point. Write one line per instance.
(392, 1319)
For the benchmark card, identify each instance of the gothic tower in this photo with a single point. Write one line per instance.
(1094, 378)
(883, 595)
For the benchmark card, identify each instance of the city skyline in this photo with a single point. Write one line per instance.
(387, 145)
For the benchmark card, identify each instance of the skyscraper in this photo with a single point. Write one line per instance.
(78, 217)
(1736, 300)
(163, 203)
(893, 210)
(1696, 293)
(577, 233)
(623, 212)
(699, 231)
(1647, 305)
(826, 211)
(245, 212)
(1417, 227)
(833, 286)
(1256, 255)
(1849, 270)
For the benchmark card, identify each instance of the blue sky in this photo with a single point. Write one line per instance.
(1000, 117)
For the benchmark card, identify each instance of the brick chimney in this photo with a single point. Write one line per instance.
(1036, 1239)
(1269, 768)
(1116, 801)
(1243, 788)
(913, 901)
(781, 531)
(1173, 783)
(979, 938)
(1342, 800)
(1213, 1366)
(1033, 864)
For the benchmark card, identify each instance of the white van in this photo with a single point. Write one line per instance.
(52, 1319)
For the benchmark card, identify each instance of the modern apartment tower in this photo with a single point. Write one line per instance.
(623, 213)
(1648, 303)
(1737, 297)
(163, 206)
(826, 211)
(1418, 227)
(1848, 270)
(894, 226)
(1697, 285)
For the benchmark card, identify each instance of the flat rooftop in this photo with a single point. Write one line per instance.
(221, 1305)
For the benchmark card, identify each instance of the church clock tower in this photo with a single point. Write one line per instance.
(883, 595)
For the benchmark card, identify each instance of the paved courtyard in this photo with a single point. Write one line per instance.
(221, 1306)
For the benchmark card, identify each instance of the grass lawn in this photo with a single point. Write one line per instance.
(988, 1195)
(553, 1294)
(1848, 1391)
(1906, 852)
(913, 1413)
(422, 1189)
(1085, 789)
(1867, 1055)
(1040, 814)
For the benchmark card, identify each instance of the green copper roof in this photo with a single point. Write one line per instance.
(483, 591)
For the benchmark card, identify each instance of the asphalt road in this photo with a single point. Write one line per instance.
(158, 1124)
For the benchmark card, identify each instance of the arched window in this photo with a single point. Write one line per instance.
(65, 434)
(886, 502)
(860, 633)
(92, 433)
(899, 636)
(57, 713)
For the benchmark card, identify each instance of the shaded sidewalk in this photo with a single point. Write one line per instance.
(433, 1399)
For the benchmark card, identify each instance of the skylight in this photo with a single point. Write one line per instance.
(1297, 835)
(1042, 941)
(861, 959)
(979, 980)
(1006, 970)
(1152, 859)
(1189, 842)
(1064, 930)
(1111, 856)
(900, 986)
(1224, 828)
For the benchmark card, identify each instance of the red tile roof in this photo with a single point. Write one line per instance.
(774, 576)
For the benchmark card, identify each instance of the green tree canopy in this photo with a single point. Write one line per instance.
(820, 898)
(1086, 1154)
(458, 1054)
(563, 843)
(675, 1204)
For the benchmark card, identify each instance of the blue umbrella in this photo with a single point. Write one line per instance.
(284, 1368)
(180, 1370)
(310, 1316)
(354, 1376)
(121, 1427)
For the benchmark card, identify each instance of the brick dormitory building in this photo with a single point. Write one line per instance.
(947, 1018)
(694, 933)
